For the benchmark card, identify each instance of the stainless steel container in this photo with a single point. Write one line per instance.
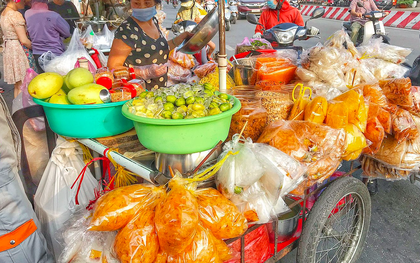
(242, 71)
(185, 163)
(288, 222)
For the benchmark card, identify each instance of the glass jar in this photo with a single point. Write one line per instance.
(251, 112)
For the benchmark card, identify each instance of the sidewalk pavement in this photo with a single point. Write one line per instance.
(408, 18)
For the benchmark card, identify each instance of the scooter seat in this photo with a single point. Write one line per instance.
(347, 25)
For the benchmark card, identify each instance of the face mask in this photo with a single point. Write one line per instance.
(144, 14)
(271, 4)
(188, 4)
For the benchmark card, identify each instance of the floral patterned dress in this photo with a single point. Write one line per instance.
(15, 60)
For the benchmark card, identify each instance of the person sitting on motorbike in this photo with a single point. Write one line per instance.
(278, 13)
(357, 19)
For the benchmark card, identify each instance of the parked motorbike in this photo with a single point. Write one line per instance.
(188, 26)
(233, 7)
(374, 28)
(228, 17)
(284, 35)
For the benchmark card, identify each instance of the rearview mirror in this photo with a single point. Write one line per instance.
(317, 13)
(251, 18)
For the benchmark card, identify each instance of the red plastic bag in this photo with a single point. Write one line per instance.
(257, 247)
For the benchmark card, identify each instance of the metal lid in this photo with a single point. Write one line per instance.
(105, 96)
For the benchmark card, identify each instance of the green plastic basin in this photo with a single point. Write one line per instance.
(182, 136)
(86, 121)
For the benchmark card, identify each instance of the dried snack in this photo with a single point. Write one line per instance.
(356, 108)
(398, 91)
(222, 249)
(316, 110)
(298, 110)
(115, 209)
(161, 257)
(278, 104)
(374, 93)
(177, 217)
(383, 116)
(200, 250)
(137, 242)
(375, 133)
(337, 115)
(220, 215)
(391, 151)
(182, 59)
(269, 84)
(403, 125)
(355, 142)
(318, 146)
(203, 70)
(375, 169)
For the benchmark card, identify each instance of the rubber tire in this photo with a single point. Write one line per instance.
(234, 19)
(227, 25)
(320, 212)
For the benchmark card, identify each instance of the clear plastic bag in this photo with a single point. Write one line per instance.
(238, 172)
(178, 73)
(220, 215)
(373, 93)
(375, 48)
(383, 70)
(398, 91)
(375, 133)
(87, 37)
(391, 151)
(278, 104)
(201, 250)
(355, 143)
(252, 44)
(104, 39)
(203, 70)
(115, 209)
(138, 241)
(83, 246)
(317, 146)
(177, 217)
(403, 125)
(182, 59)
(46, 58)
(356, 108)
(337, 115)
(66, 61)
(152, 71)
(316, 110)
(298, 110)
(373, 169)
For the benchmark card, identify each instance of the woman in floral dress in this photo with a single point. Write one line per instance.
(15, 61)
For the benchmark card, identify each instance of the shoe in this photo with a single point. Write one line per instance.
(372, 186)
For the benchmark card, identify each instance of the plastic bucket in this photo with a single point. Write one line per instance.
(86, 121)
(182, 136)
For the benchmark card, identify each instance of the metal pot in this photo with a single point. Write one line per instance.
(184, 163)
(288, 222)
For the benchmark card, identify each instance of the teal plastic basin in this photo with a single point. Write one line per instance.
(86, 121)
(182, 136)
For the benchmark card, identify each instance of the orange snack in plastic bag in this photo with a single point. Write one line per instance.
(398, 91)
(375, 134)
(261, 61)
(384, 117)
(351, 99)
(298, 110)
(282, 74)
(403, 125)
(337, 115)
(361, 116)
(355, 142)
(316, 110)
(177, 217)
(200, 250)
(137, 242)
(219, 214)
(374, 94)
(222, 249)
(182, 59)
(116, 208)
(161, 257)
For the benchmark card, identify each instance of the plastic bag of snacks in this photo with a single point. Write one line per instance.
(178, 73)
(83, 246)
(203, 70)
(238, 172)
(373, 93)
(337, 115)
(375, 169)
(138, 241)
(298, 110)
(177, 217)
(223, 251)
(391, 151)
(316, 110)
(182, 59)
(382, 70)
(375, 48)
(252, 44)
(398, 91)
(278, 104)
(403, 125)
(201, 250)
(355, 142)
(115, 209)
(356, 107)
(375, 133)
(220, 215)
(317, 146)
(257, 247)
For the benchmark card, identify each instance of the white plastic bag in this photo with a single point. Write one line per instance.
(103, 40)
(54, 198)
(82, 245)
(66, 61)
(46, 58)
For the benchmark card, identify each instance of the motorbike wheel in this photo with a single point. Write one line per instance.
(227, 25)
(234, 19)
